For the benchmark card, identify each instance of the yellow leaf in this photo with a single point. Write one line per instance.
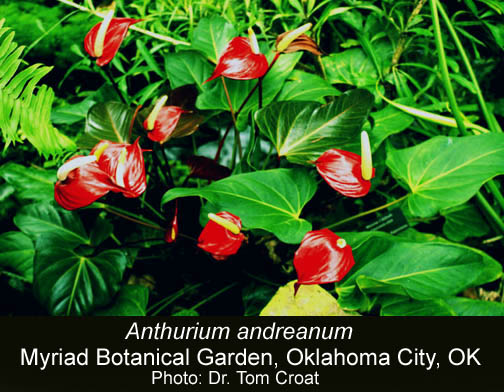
(310, 300)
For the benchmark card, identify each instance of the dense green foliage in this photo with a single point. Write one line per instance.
(420, 77)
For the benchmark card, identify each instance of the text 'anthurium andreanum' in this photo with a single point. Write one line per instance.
(105, 38)
(162, 121)
(222, 236)
(115, 167)
(323, 257)
(241, 60)
(347, 172)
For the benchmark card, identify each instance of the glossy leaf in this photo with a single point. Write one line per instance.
(311, 300)
(387, 122)
(31, 183)
(46, 219)
(130, 301)
(302, 131)
(474, 307)
(271, 200)
(421, 270)
(212, 35)
(445, 171)
(107, 121)
(464, 221)
(68, 283)
(351, 66)
(16, 254)
(187, 67)
(418, 308)
(303, 86)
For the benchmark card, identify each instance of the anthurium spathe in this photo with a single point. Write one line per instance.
(172, 232)
(222, 236)
(241, 60)
(323, 257)
(115, 167)
(162, 121)
(105, 38)
(347, 172)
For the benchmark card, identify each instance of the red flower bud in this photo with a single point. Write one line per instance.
(342, 170)
(114, 36)
(164, 124)
(118, 167)
(240, 62)
(219, 241)
(323, 257)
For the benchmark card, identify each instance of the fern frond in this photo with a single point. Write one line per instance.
(25, 107)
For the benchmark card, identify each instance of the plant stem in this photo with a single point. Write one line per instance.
(360, 215)
(492, 124)
(112, 81)
(154, 211)
(260, 93)
(445, 76)
(134, 219)
(402, 38)
(130, 132)
(237, 134)
(171, 298)
(208, 299)
(221, 143)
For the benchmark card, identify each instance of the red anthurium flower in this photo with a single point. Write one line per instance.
(105, 38)
(221, 237)
(115, 167)
(347, 172)
(323, 257)
(241, 60)
(162, 121)
(172, 232)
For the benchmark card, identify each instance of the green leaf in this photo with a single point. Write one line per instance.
(30, 183)
(388, 121)
(271, 200)
(445, 171)
(302, 131)
(213, 96)
(255, 296)
(187, 67)
(101, 230)
(186, 313)
(212, 35)
(16, 254)
(130, 301)
(70, 114)
(63, 226)
(303, 86)
(421, 270)
(71, 284)
(351, 66)
(474, 307)
(107, 121)
(418, 308)
(462, 222)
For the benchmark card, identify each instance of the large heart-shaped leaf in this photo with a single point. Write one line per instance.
(46, 219)
(68, 283)
(464, 221)
(271, 200)
(16, 254)
(388, 121)
(351, 66)
(107, 121)
(420, 270)
(212, 35)
(474, 307)
(303, 86)
(445, 171)
(30, 183)
(302, 131)
(130, 301)
(187, 67)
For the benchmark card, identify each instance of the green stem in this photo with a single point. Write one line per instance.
(126, 214)
(208, 299)
(490, 211)
(360, 215)
(171, 298)
(154, 211)
(493, 125)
